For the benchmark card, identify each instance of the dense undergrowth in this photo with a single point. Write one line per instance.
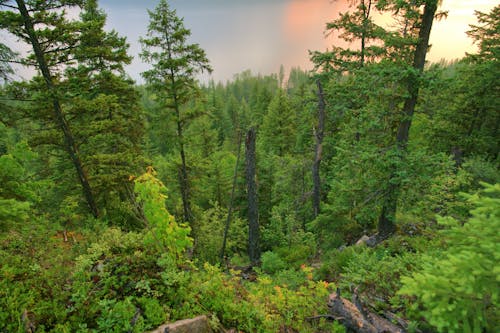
(108, 280)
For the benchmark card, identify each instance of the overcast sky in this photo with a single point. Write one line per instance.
(263, 34)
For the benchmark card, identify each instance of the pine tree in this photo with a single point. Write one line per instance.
(353, 27)
(43, 25)
(386, 224)
(279, 126)
(175, 65)
(106, 115)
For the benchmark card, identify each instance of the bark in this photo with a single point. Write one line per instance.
(366, 16)
(253, 210)
(231, 202)
(183, 173)
(184, 180)
(70, 144)
(319, 134)
(386, 223)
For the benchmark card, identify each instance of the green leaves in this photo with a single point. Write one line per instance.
(163, 231)
(458, 291)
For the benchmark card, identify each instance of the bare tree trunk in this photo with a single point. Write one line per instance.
(253, 209)
(386, 223)
(70, 143)
(183, 179)
(319, 133)
(231, 202)
(366, 15)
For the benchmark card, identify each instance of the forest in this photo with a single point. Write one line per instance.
(308, 201)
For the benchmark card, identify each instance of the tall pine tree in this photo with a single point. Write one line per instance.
(175, 64)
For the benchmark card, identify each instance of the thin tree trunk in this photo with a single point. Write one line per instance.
(253, 209)
(366, 16)
(183, 175)
(231, 202)
(70, 143)
(184, 181)
(386, 223)
(319, 133)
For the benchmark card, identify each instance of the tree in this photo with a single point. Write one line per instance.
(173, 77)
(107, 120)
(356, 26)
(253, 208)
(279, 125)
(386, 224)
(487, 35)
(52, 38)
(319, 134)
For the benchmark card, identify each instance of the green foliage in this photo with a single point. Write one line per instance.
(118, 283)
(209, 232)
(35, 275)
(457, 292)
(163, 231)
(106, 279)
(6, 55)
(262, 306)
(272, 263)
(18, 189)
(166, 48)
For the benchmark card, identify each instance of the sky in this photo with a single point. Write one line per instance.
(261, 35)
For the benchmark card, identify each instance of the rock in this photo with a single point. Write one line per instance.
(195, 325)
(368, 241)
(362, 240)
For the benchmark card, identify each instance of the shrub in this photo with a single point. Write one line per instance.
(272, 263)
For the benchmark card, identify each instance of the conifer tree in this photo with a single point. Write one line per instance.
(105, 113)
(175, 64)
(353, 27)
(386, 224)
(279, 126)
(43, 25)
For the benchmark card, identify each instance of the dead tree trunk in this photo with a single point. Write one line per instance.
(253, 209)
(354, 317)
(319, 133)
(70, 143)
(386, 223)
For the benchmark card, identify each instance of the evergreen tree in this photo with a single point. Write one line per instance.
(106, 115)
(279, 126)
(386, 225)
(173, 77)
(43, 25)
(253, 206)
(353, 27)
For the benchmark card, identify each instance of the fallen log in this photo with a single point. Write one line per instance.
(354, 317)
